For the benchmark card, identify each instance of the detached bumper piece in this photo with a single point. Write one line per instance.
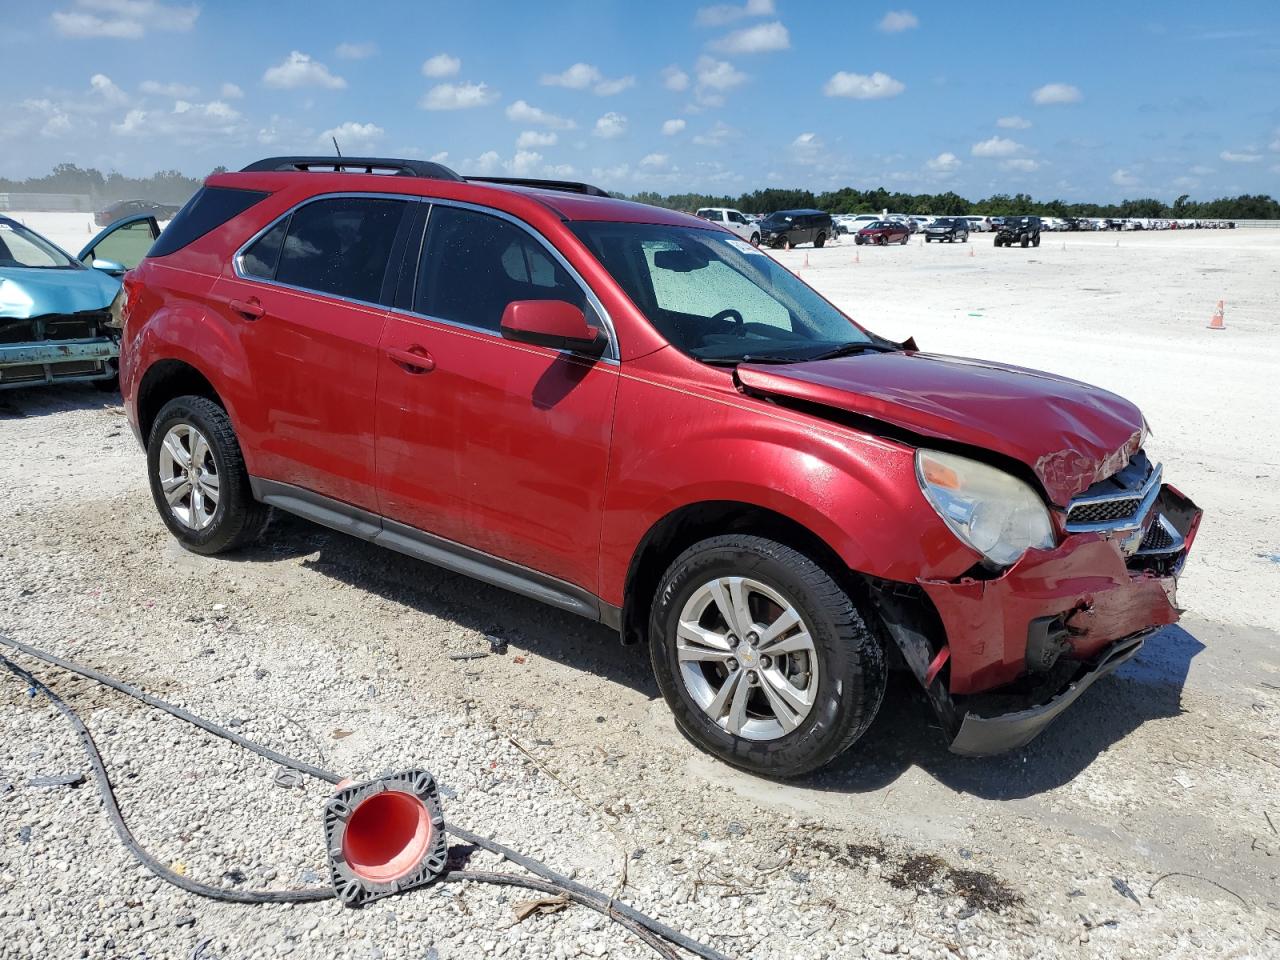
(982, 736)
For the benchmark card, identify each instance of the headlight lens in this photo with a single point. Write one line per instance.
(990, 510)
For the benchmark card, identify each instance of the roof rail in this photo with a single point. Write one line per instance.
(567, 186)
(383, 165)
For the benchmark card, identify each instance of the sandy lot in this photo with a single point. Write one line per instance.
(1142, 825)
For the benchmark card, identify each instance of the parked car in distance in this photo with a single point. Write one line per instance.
(790, 228)
(132, 208)
(949, 229)
(1019, 230)
(979, 224)
(882, 232)
(733, 221)
(632, 415)
(56, 310)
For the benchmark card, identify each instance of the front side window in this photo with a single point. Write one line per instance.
(126, 245)
(339, 246)
(716, 297)
(474, 264)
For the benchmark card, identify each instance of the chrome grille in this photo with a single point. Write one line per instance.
(1104, 510)
(1157, 538)
(1120, 502)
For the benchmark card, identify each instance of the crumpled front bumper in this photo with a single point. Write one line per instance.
(1035, 638)
(27, 364)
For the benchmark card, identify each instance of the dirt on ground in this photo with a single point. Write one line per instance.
(1145, 823)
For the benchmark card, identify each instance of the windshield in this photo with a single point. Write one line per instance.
(717, 298)
(20, 247)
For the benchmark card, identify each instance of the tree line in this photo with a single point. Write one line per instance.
(850, 200)
(171, 186)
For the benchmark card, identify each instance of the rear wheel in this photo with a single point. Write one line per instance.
(1024, 243)
(820, 240)
(198, 478)
(763, 658)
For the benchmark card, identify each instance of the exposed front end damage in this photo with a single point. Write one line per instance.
(1000, 657)
(71, 347)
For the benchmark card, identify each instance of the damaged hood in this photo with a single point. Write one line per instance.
(1069, 433)
(33, 292)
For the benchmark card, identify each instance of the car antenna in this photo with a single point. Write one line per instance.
(335, 145)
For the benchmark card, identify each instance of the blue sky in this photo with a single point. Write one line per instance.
(1080, 100)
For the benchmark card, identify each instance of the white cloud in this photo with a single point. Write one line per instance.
(1232, 156)
(611, 126)
(1189, 183)
(1124, 178)
(996, 147)
(1013, 123)
(356, 51)
(1201, 170)
(671, 127)
(656, 161)
(860, 86)
(762, 38)
(806, 148)
(353, 137)
(560, 171)
(1020, 164)
(714, 79)
(1052, 93)
(944, 163)
(583, 76)
(532, 138)
(287, 132)
(673, 78)
(299, 70)
(186, 124)
(522, 112)
(441, 65)
(524, 163)
(486, 164)
(104, 87)
(123, 19)
(458, 96)
(175, 90)
(719, 133)
(722, 13)
(441, 157)
(1274, 145)
(231, 91)
(895, 21)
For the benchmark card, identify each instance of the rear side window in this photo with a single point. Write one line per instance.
(339, 246)
(207, 210)
(473, 265)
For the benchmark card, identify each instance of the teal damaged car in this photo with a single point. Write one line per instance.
(56, 322)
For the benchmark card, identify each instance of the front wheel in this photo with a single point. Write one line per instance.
(198, 478)
(820, 240)
(786, 243)
(1035, 242)
(755, 239)
(763, 658)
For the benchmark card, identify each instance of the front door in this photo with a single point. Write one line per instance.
(307, 304)
(499, 446)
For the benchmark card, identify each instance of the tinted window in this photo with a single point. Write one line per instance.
(340, 246)
(473, 265)
(260, 259)
(210, 207)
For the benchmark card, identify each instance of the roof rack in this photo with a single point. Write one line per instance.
(382, 165)
(566, 186)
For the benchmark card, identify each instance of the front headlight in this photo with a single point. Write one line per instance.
(990, 510)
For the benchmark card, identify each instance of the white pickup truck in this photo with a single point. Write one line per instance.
(733, 220)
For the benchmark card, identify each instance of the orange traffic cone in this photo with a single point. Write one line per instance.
(1217, 321)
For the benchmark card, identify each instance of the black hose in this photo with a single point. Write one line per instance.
(638, 923)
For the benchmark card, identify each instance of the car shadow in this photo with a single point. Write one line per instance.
(905, 733)
(470, 604)
(19, 403)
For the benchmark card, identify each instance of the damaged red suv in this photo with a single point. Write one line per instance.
(634, 415)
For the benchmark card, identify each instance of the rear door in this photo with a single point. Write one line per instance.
(499, 446)
(308, 300)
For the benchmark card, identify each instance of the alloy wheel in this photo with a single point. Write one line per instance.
(747, 658)
(189, 476)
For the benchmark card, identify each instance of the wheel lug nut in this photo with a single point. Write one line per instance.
(766, 662)
(733, 641)
(751, 676)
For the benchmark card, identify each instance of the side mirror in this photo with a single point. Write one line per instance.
(551, 323)
(108, 266)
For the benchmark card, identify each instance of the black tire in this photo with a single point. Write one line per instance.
(1024, 243)
(851, 660)
(755, 239)
(238, 518)
(965, 238)
(786, 243)
(1035, 242)
(820, 240)
(997, 241)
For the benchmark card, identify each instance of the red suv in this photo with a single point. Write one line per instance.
(632, 414)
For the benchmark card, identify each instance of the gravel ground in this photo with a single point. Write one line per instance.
(1143, 824)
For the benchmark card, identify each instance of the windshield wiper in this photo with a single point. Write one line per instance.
(851, 349)
(749, 358)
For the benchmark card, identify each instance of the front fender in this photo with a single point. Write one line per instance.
(858, 493)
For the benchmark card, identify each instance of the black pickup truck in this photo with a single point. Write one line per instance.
(1019, 230)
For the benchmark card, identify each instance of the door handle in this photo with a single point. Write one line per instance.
(250, 309)
(413, 359)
